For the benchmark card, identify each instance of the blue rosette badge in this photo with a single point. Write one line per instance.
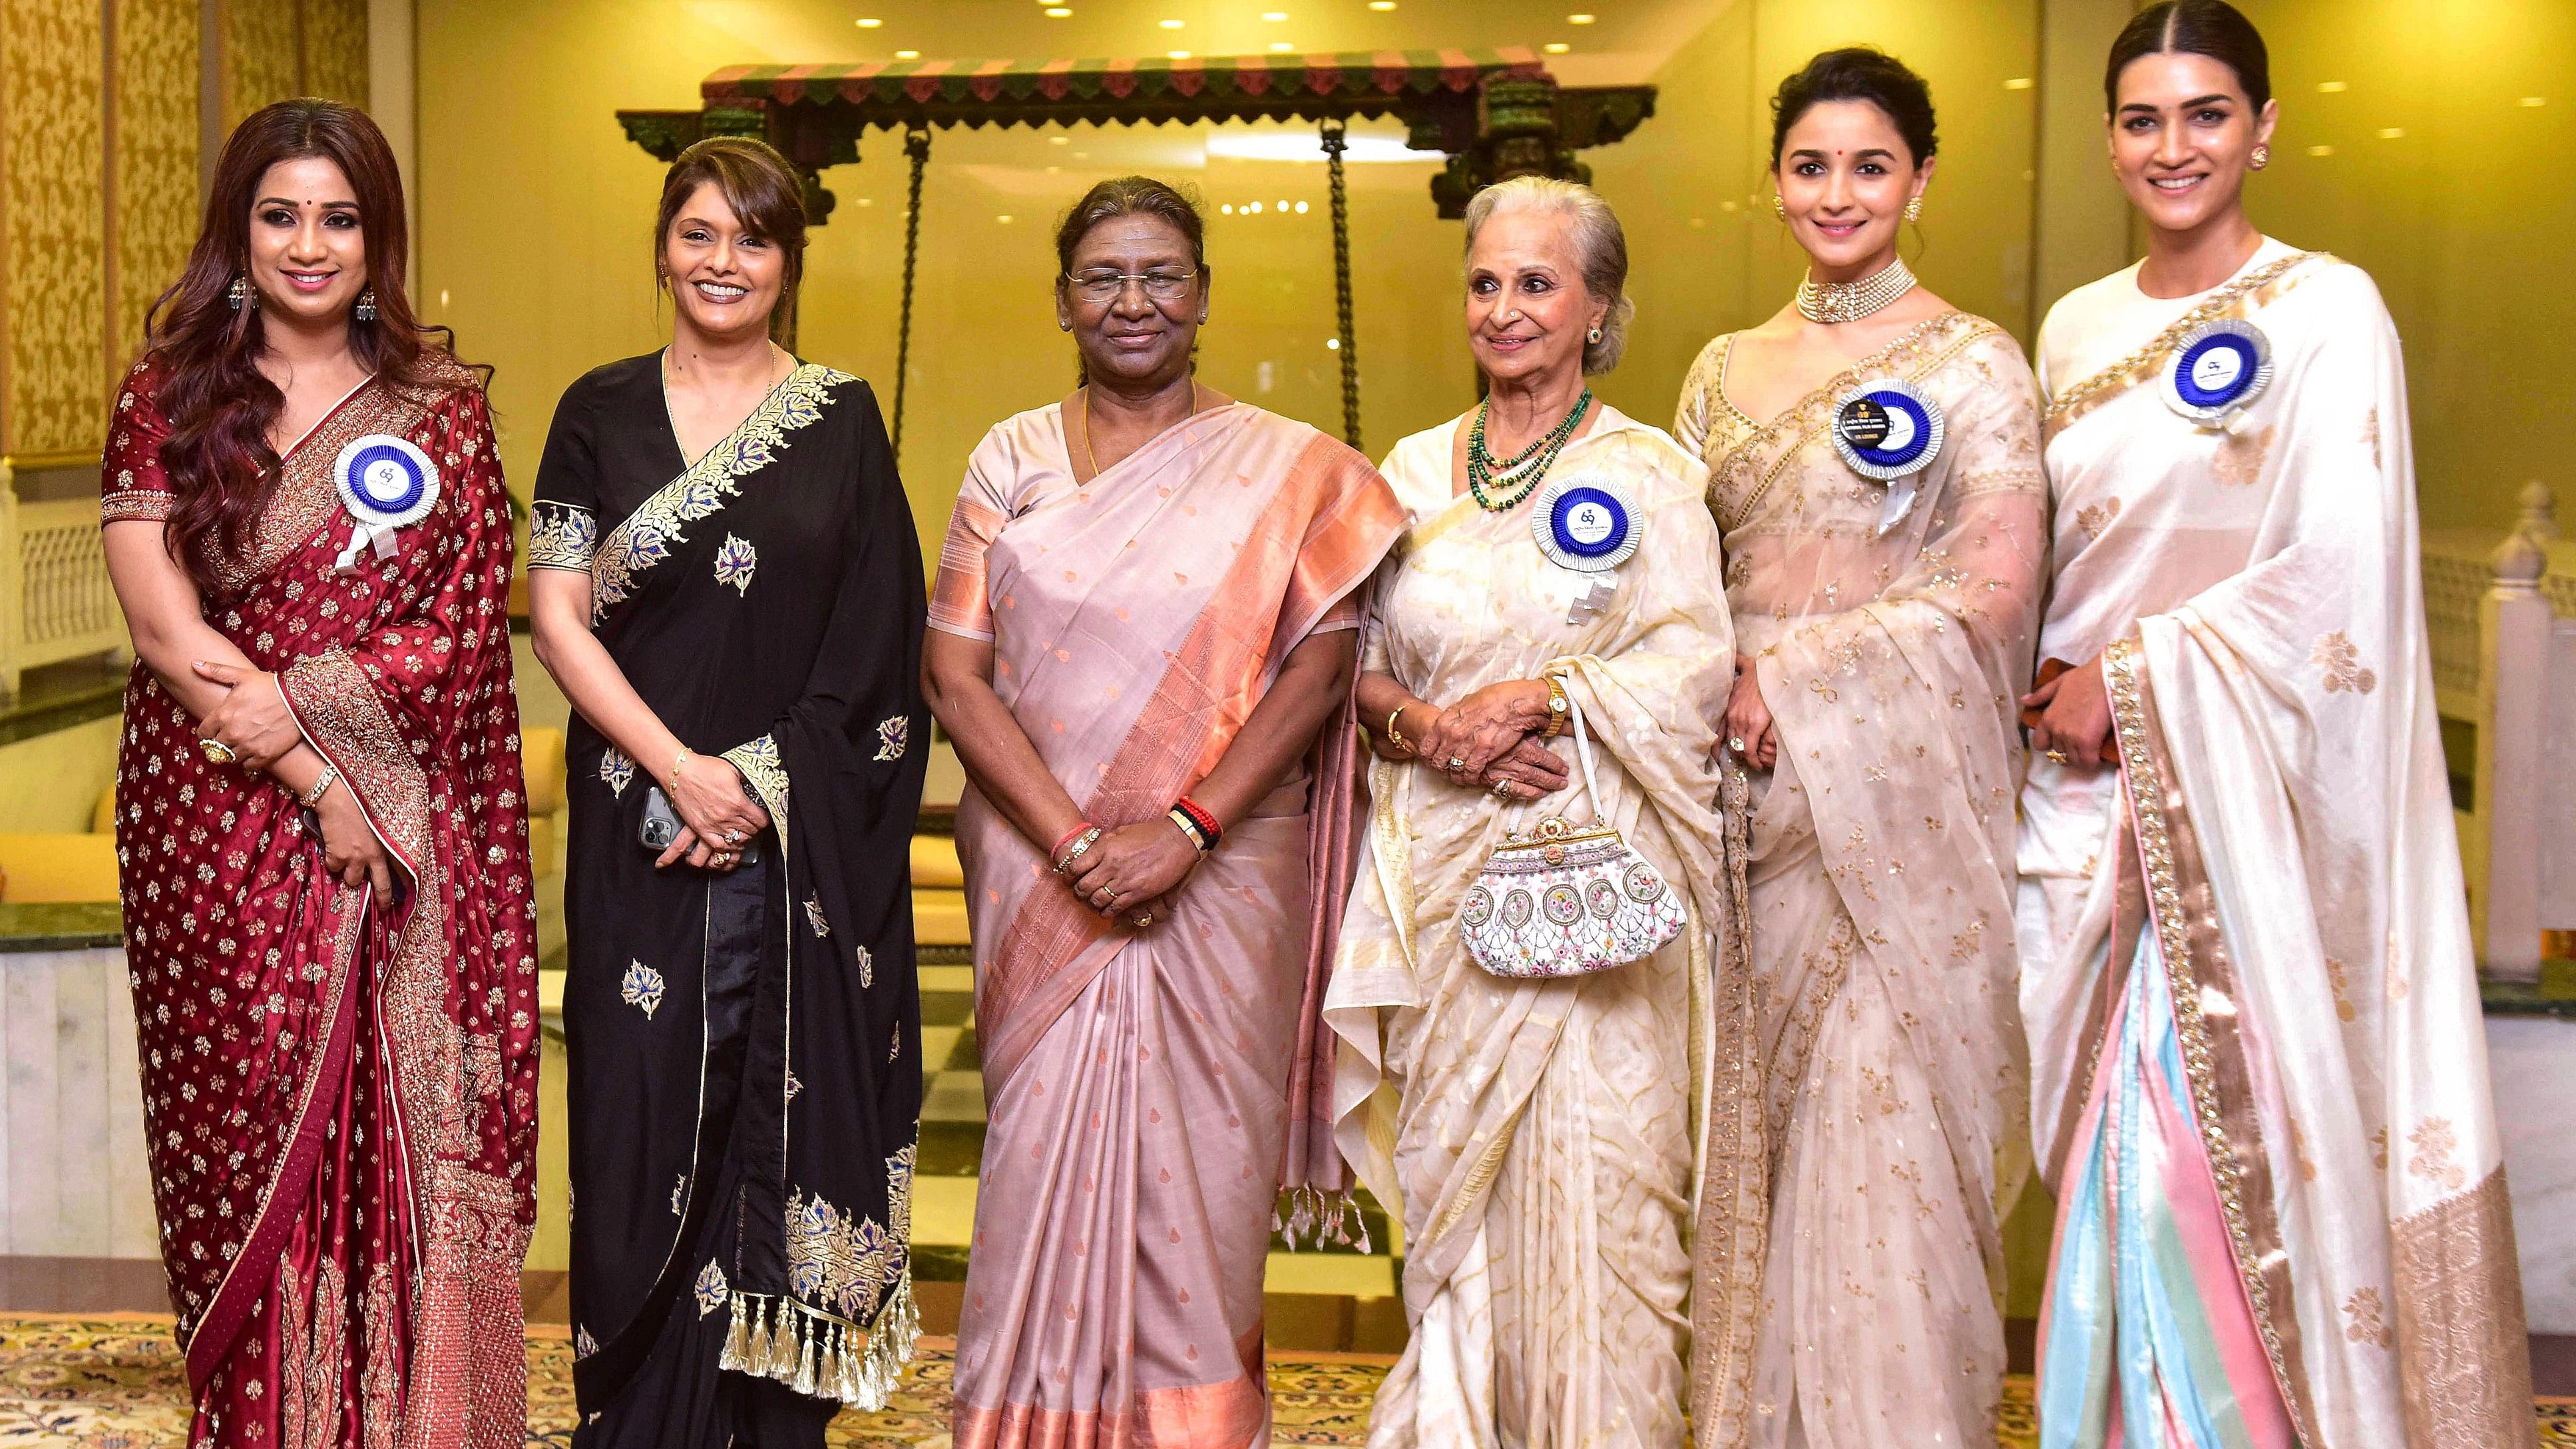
(1586, 522)
(387, 485)
(1888, 431)
(2217, 371)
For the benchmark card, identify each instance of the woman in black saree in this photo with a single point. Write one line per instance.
(724, 579)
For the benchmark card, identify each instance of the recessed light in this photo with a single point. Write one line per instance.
(1301, 208)
(863, 201)
(1556, 47)
(2018, 83)
(1227, 209)
(1381, 4)
(870, 23)
(2392, 133)
(1580, 19)
(1274, 16)
(2320, 150)
(2331, 87)
(1058, 12)
(1254, 208)
(2535, 100)
(907, 55)
(1059, 140)
(1282, 46)
(1171, 24)
(1177, 54)
(1332, 344)
(1004, 218)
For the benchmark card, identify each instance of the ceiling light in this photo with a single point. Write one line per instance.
(907, 55)
(1556, 47)
(1058, 12)
(1274, 16)
(1332, 344)
(2392, 133)
(1054, 170)
(1171, 24)
(2331, 87)
(1004, 218)
(1301, 208)
(1381, 4)
(863, 201)
(1059, 140)
(2320, 150)
(2535, 100)
(870, 23)
(1254, 209)
(1579, 19)
(1283, 206)
(1284, 47)
(1227, 209)
(1177, 54)
(2018, 83)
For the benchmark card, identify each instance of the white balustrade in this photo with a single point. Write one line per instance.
(2524, 817)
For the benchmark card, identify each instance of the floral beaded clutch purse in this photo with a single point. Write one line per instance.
(1569, 900)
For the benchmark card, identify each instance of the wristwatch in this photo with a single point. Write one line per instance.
(1558, 706)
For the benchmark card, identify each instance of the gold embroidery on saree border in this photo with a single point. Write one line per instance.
(2238, 1168)
(2463, 1363)
(561, 536)
(766, 773)
(1732, 1226)
(644, 538)
(307, 496)
(2235, 299)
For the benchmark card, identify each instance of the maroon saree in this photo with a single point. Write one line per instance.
(340, 1090)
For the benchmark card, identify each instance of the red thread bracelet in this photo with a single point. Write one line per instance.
(1200, 817)
(1068, 838)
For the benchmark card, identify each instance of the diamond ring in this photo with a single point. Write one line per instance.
(2057, 757)
(1457, 762)
(1735, 743)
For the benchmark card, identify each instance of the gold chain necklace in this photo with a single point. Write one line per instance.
(1094, 463)
(1834, 302)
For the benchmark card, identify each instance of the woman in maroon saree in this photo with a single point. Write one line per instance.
(321, 821)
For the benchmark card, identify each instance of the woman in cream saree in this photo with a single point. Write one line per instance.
(1535, 1135)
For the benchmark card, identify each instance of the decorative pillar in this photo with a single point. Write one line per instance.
(52, 231)
(1516, 135)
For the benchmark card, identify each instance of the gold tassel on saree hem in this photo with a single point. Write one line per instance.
(1313, 1214)
(774, 1337)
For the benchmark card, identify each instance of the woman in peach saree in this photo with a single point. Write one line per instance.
(1143, 640)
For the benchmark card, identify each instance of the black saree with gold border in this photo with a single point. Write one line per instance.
(745, 1083)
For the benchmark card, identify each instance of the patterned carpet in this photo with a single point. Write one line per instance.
(112, 1381)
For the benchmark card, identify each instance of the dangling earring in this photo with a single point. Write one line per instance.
(2262, 157)
(1593, 336)
(1914, 208)
(238, 293)
(1779, 208)
(365, 311)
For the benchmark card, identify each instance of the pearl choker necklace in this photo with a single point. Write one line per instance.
(1832, 302)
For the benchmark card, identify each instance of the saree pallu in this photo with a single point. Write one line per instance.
(1537, 1136)
(1148, 1089)
(744, 1047)
(1861, 1305)
(2282, 1209)
(340, 1089)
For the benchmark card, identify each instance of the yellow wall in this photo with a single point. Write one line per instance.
(2464, 218)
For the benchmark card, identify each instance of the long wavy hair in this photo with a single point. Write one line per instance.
(205, 352)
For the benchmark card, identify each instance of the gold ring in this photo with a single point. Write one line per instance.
(2059, 757)
(216, 752)
(1146, 919)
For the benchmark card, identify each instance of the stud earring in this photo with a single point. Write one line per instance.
(1593, 336)
(365, 311)
(1914, 208)
(2262, 157)
(238, 293)
(1779, 208)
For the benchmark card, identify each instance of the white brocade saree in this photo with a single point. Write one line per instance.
(1850, 1298)
(2260, 1085)
(1536, 1136)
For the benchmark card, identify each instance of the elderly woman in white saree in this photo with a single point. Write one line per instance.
(2259, 1068)
(1534, 1134)
(1884, 531)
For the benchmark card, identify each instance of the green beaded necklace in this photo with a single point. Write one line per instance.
(1488, 477)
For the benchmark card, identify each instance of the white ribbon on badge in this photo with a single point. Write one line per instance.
(387, 485)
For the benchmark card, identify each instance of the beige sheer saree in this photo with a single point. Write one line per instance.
(1881, 884)
(1536, 1136)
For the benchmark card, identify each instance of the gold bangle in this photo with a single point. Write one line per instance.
(1189, 828)
(1395, 737)
(321, 786)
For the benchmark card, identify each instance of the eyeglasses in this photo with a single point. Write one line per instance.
(1106, 286)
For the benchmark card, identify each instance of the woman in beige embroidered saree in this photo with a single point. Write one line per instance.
(1142, 625)
(2259, 1070)
(1884, 535)
(1534, 1135)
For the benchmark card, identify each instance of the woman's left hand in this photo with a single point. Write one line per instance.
(1128, 870)
(253, 721)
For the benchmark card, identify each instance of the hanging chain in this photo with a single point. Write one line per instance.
(1336, 140)
(916, 144)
